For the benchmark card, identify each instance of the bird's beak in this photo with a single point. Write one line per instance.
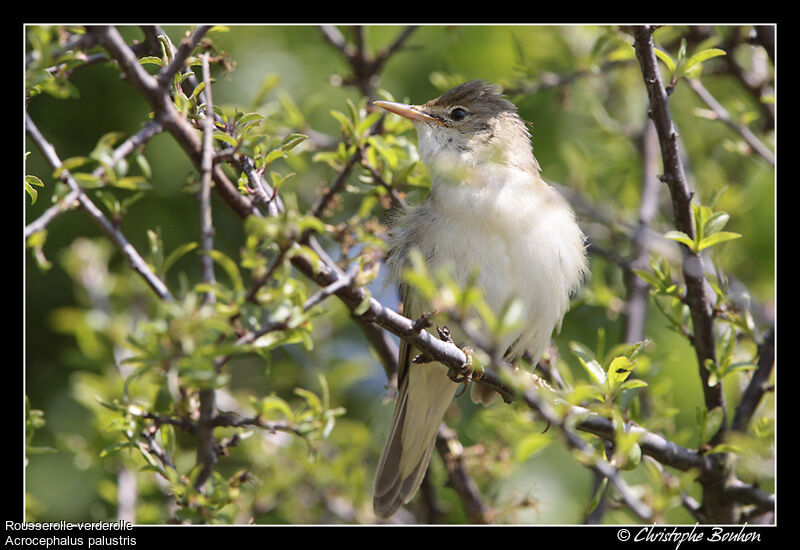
(410, 112)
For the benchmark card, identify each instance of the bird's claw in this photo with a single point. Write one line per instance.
(464, 374)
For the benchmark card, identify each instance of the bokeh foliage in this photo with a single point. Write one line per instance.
(103, 356)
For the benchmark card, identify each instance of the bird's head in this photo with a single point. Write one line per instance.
(467, 126)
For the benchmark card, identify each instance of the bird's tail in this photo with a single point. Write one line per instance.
(423, 399)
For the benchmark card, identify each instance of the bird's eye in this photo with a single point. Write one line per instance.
(458, 114)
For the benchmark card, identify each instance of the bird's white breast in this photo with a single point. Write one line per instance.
(519, 233)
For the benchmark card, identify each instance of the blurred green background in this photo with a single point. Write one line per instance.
(584, 139)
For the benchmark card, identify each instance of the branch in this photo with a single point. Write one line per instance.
(179, 57)
(533, 399)
(181, 130)
(207, 164)
(66, 203)
(136, 262)
(204, 431)
(674, 177)
(722, 114)
(323, 293)
(451, 451)
(365, 68)
(637, 294)
(758, 383)
(547, 80)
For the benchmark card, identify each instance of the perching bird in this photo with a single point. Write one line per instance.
(488, 209)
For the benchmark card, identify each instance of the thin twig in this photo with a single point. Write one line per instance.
(637, 294)
(206, 222)
(140, 138)
(137, 263)
(722, 114)
(535, 401)
(323, 293)
(758, 383)
(180, 55)
(365, 68)
(451, 451)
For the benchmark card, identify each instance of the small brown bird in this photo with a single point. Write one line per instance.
(488, 209)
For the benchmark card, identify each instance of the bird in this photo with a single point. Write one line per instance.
(490, 212)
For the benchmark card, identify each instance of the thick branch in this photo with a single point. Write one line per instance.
(173, 122)
(693, 270)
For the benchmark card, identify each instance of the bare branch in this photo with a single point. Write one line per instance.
(758, 383)
(637, 294)
(323, 293)
(206, 444)
(127, 147)
(722, 114)
(365, 68)
(137, 263)
(206, 223)
(451, 451)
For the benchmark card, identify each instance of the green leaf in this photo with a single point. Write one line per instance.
(717, 238)
(273, 155)
(230, 268)
(710, 424)
(379, 144)
(70, 164)
(31, 181)
(631, 384)
(648, 277)
(726, 448)
(222, 136)
(115, 447)
(618, 371)
(346, 124)
(681, 237)
(598, 495)
(664, 56)
(367, 122)
(292, 140)
(587, 359)
(134, 183)
(273, 403)
(88, 181)
(312, 399)
(144, 165)
(715, 223)
(167, 432)
(176, 254)
(197, 90)
(150, 59)
(529, 445)
(250, 118)
(701, 56)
